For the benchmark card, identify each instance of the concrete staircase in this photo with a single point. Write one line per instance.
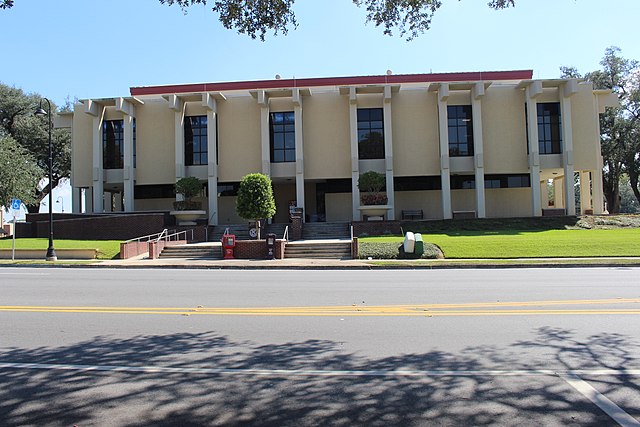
(197, 251)
(326, 230)
(318, 249)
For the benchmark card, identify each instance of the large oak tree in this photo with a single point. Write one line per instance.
(255, 18)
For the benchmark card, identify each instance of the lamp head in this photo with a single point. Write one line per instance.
(40, 112)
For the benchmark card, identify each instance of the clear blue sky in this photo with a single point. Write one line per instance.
(91, 48)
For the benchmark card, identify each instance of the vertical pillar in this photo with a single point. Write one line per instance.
(98, 171)
(265, 143)
(178, 106)
(544, 194)
(76, 199)
(388, 152)
(297, 111)
(558, 191)
(443, 126)
(531, 92)
(211, 105)
(586, 201)
(355, 166)
(569, 88)
(478, 147)
(128, 173)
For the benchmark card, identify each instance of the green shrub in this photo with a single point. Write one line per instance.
(389, 250)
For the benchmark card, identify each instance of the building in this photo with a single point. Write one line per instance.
(484, 144)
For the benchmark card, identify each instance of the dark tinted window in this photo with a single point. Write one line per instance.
(370, 133)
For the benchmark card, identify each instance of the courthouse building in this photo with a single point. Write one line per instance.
(481, 143)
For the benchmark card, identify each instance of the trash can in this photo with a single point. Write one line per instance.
(418, 248)
(271, 246)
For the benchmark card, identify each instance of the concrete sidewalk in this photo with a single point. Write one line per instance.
(305, 263)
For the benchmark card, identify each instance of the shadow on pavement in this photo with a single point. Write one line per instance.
(56, 397)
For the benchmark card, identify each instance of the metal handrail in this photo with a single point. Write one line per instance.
(351, 232)
(163, 235)
(147, 237)
(285, 236)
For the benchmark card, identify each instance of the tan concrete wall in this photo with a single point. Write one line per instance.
(82, 148)
(327, 149)
(504, 131)
(463, 200)
(155, 144)
(153, 204)
(283, 193)
(429, 201)
(586, 141)
(415, 134)
(239, 145)
(338, 207)
(227, 211)
(508, 202)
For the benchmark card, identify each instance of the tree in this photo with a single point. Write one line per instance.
(19, 173)
(30, 132)
(620, 127)
(255, 198)
(256, 17)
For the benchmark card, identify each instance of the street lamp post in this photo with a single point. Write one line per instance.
(51, 252)
(61, 199)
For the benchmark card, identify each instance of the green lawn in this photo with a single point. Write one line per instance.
(107, 249)
(532, 244)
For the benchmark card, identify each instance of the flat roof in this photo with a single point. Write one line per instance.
(333, 81)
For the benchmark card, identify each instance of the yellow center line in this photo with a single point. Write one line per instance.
(430, 310)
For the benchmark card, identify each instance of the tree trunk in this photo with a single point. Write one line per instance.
(633, 180)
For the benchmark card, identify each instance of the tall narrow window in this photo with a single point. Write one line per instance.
(195, 140)
(283, 137)
(112, 144)
(549, 128)
(460, 130)
(370, 133)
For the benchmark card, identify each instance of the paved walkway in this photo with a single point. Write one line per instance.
(299, 263)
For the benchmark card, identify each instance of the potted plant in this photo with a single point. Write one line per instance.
(188, 210)
(373, 202)
(371, 185)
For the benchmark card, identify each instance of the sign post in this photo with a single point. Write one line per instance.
(15, 212)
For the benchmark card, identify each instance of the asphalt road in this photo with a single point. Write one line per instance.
(219, 347)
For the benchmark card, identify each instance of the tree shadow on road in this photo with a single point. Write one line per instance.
(76, 397)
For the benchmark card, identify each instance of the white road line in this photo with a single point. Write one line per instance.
(320, 373)
(598, 399)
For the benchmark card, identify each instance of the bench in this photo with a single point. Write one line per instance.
(412, 214)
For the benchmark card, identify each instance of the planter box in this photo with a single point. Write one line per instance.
(188, 217)
(374, 212)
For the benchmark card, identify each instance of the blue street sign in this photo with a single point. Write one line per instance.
(15, 204)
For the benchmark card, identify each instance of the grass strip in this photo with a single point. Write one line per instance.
(107, 249)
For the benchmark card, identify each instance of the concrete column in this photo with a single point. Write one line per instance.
(478, 147)
(558, 190)
(544, 194)
(128, 173)
(596, 175)
(531, 92)
(76, 200)
(212, 166)
(388, 152)
(355, 165)
(443, 126)
(265, 143)
(297, 110)
(98, 171)
(586, 201)
(178, 106)
(567, 137)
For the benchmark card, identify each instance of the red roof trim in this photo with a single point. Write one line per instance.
(334, 81)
